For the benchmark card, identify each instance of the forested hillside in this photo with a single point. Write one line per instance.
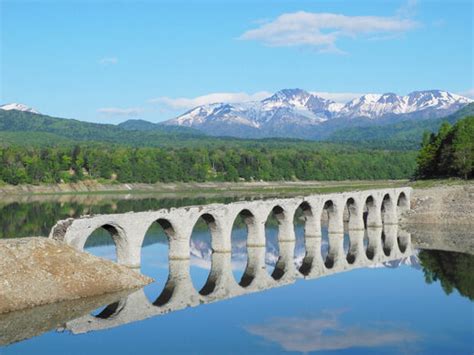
(17, 127)
(450, 152)
(406, 134)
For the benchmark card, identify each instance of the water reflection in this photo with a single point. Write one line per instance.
(300, 310)
(455, 271)
(24, 324)
(326, 331)
(155, 263)
(329, 332)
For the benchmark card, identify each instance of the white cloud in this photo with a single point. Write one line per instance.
(228, 97)
(341, 97)
(323, 30)
(108, 60)
(327, 333)
(115, 111)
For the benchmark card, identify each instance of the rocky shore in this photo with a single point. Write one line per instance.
(442, 205)
(36, 271)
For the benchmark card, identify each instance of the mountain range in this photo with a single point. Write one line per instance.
(289, 113)
(300, 114)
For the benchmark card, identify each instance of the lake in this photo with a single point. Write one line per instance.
(418, 303)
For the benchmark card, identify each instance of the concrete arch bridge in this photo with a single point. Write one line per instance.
(370, 215)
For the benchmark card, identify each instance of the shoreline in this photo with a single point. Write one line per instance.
(93, 187)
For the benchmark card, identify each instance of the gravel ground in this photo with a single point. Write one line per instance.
(446, 205)
(37, 271)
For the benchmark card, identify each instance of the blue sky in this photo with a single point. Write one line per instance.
(108, 61)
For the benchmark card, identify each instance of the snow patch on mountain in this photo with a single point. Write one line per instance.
(17, 107)
(374, 105)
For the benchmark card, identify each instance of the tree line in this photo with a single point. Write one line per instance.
(450, 152)
(35, 165)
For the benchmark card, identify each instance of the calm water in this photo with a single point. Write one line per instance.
(418, 304)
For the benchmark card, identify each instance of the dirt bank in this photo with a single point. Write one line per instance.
(442, 205)
(37, 271)
(91, 186)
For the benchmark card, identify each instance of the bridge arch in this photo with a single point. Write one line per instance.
(388, 210)
(273, 243)
(158, 236)
(200, 245)
(403, 241)
(329, 217)
(403, 203)
(304, 226)
(100, 236)
(372, 212)
(352, 220)
(244, 232)
(311, 230)
(353, 214)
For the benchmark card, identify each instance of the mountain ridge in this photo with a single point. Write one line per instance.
(299, 114)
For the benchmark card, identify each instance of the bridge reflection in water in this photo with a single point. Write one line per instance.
(179, 292)
(370, 216)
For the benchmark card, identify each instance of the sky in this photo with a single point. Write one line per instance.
(109, 61)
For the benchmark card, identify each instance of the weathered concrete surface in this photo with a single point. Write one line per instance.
(450, 205)
(27, 323)
(36, 271)
(371, 208)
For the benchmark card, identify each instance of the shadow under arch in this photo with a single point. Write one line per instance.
(403, 241)
(387, 209)
(156, 241)
(402, 203)
(202, 244)
(387, 250)
(106, 237)
(246, 227)
(370, 212)
(110, 311)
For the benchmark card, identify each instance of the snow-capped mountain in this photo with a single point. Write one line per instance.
(375, 106)
(298, 113)
(17, 107)
(287, 109)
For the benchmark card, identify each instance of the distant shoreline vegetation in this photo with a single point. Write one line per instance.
(20, 165)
